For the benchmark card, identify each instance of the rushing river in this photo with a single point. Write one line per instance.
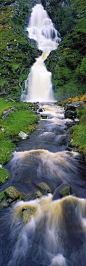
(54, 234)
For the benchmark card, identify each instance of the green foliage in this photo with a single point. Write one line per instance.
(83, 67)
(18, 121)
(22, 119)
(68, 62)
(4, 175)
(79, 132)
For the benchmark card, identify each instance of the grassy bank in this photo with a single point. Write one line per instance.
(14, 117)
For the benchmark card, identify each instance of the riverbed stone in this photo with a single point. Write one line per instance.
(40, 110)
(44, 187)
(61, 191)
(4, 203)
(32, 195)
(37, 194)
(27, 213)
(43, 116)
(23, 135)
(13, 193)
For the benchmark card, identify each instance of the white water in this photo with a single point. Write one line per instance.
(38, 86)
(51, 231)
(41, 29)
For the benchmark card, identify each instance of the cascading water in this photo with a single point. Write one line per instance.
(38, 86)
(45, 225)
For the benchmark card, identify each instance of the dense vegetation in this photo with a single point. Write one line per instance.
(79, 132)
(19, 118)
(17, 53)
(68, 62)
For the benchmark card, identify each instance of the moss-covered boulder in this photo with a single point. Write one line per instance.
(27, 213)
(61, 191)
(9, 196)
(44, 187)
(32, 195)
(12, 193)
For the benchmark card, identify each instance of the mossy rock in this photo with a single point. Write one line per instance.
(27, 213)
(44, 187)
(37, 194)
(32, 195)
(3, 199)
(4, 203)
(9, 196)
(13, 193)
(62, 191)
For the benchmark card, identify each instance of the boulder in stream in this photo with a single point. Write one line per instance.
(44, 187)
(12, 193)
(27, 213)
(43, 116)
(61, 191)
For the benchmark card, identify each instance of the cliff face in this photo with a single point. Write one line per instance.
(17, 52)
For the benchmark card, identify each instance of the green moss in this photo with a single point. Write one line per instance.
(4, 175)
(18, 121)
(79, 133)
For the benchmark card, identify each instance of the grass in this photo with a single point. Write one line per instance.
(79, 132)
(22, 119)
(4, 175)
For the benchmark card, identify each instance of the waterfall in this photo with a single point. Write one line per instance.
(38, 86)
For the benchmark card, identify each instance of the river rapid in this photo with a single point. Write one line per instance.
(53, 232)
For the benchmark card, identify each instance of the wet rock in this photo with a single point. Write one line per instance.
(4, 203)
(32, 195)
(70, 111)
(12, 193)
(27, 213)
(44, 187)
(3, 200)
(40, 110)
(78, 104)
(23, 135)
(37, 194)
(43, 116)
(61, 191)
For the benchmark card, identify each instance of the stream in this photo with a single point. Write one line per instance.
(48, 228)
